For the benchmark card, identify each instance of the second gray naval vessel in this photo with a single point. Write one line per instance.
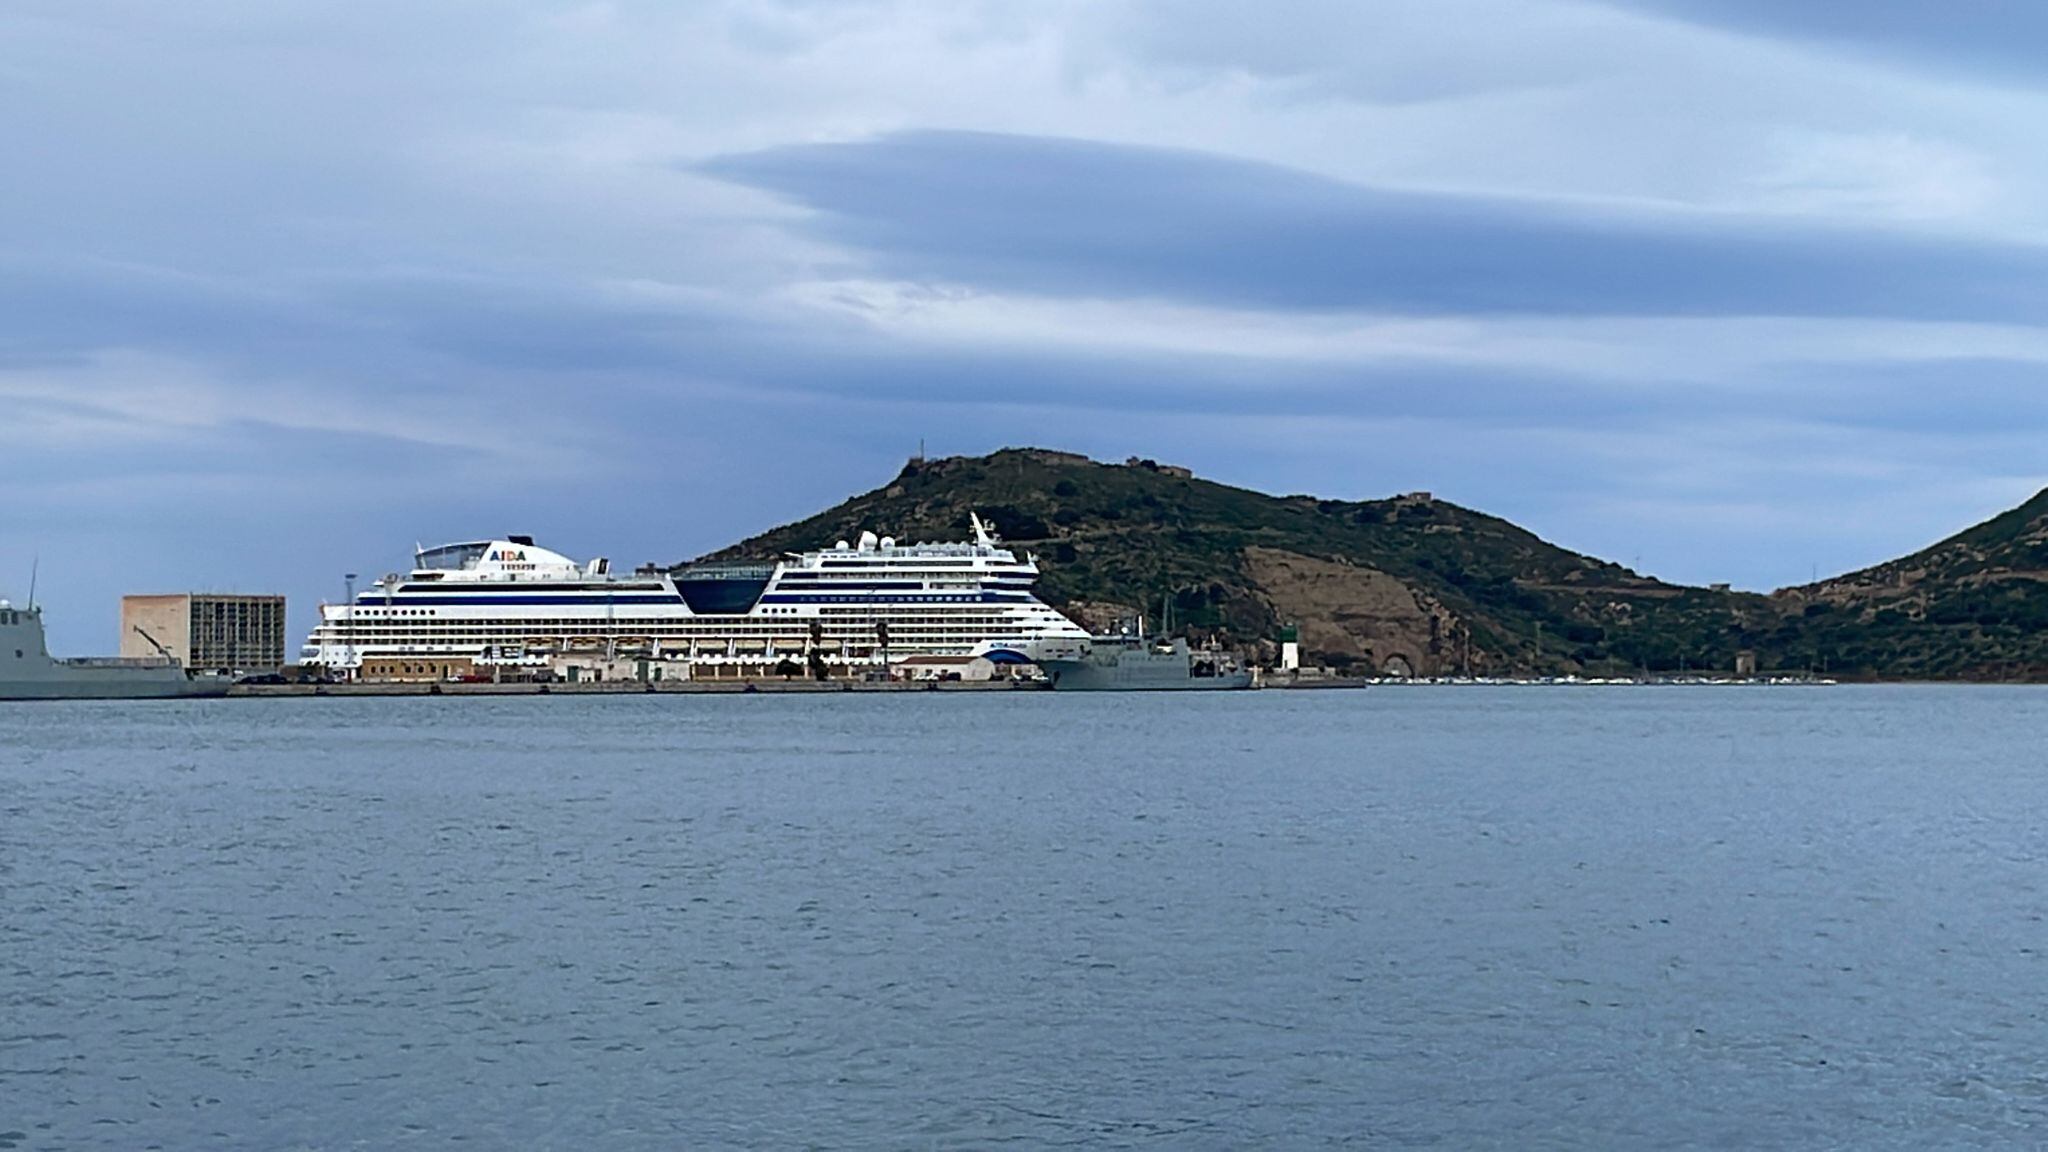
(1132, 663)
(29, 672)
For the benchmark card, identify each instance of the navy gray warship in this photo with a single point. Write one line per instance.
(1133, 663)
(29, 672)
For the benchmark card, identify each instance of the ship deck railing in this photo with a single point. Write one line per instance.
(725, 570)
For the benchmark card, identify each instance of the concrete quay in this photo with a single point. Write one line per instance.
(636, 688)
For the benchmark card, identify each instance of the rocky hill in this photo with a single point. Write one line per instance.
(1974, 606)
(1422, 585)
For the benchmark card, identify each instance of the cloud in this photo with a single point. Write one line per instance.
(1052, 216)
(287, 286)
(1969, 37)
(1382, 53)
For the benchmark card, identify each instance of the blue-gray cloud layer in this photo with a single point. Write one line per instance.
(2003, 36)
(284, 288)
(1065, 217)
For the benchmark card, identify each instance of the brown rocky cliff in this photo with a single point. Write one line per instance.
(1354, 612)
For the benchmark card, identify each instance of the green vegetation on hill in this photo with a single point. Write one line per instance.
(1427, 585)
(1974, 606)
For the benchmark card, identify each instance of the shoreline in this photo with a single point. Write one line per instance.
(812, 688)
(631, 688)
(829, 687)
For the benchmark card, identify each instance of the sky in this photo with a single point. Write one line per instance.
(1724, 290)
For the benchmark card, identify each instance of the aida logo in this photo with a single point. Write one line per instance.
(507, 556)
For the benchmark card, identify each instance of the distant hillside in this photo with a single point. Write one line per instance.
(1424, 585)
(1974, 606)
(1409, 581)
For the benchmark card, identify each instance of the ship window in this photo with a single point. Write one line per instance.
(451, 558)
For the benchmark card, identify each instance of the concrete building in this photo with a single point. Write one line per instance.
(597, 669)
(414, 669)
(206, 631)
(973, 669)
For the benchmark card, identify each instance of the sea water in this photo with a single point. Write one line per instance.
(1405, 917)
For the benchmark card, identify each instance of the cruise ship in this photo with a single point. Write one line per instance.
(506, 606)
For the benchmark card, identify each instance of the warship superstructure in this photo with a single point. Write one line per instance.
(29, 672)
(1133, 663)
